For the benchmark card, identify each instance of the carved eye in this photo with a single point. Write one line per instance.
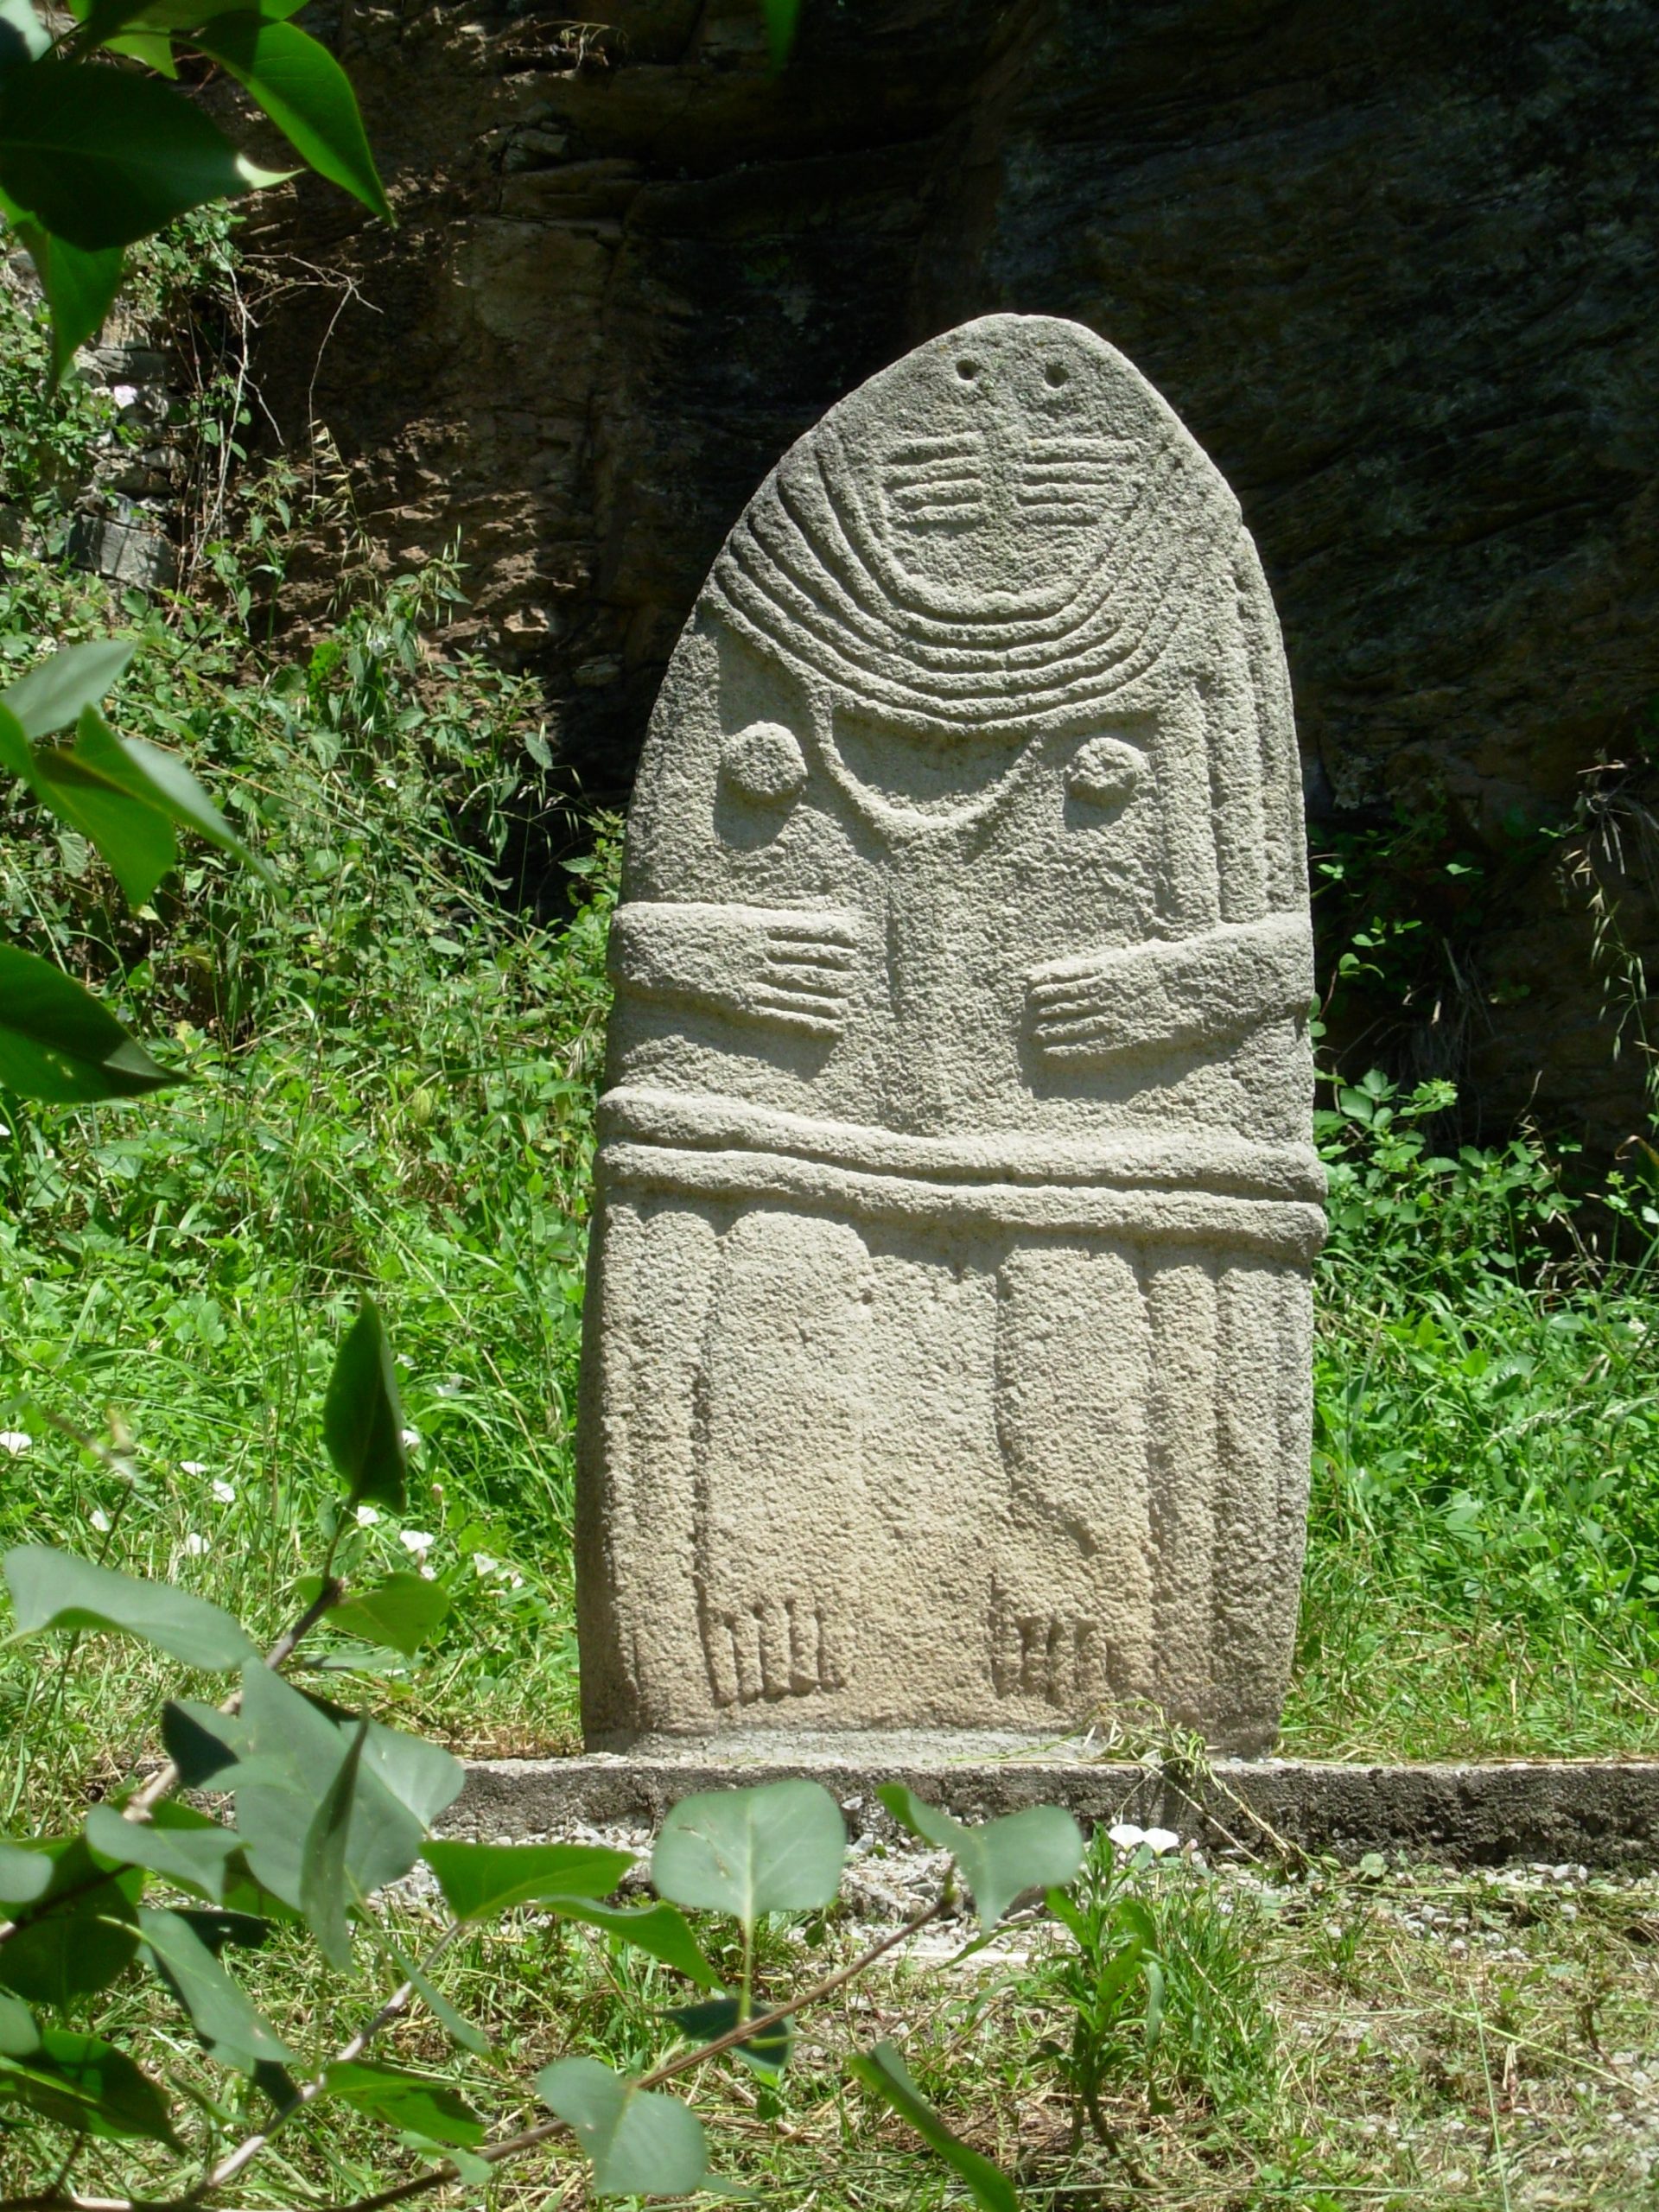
(764, 762)
(1106, 772)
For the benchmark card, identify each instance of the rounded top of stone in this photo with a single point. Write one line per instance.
(1003, 526)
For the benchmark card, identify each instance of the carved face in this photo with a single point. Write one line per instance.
(1013, 486)
(993, 538)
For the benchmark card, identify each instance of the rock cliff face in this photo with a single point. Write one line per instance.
(1394, 266)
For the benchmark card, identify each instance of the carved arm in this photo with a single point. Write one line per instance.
(1197, 990)
(780, 965)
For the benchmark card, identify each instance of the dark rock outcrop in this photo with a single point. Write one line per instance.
(1395, 266)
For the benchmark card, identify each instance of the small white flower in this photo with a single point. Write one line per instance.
(196, 1547)
(100, 1520)
(224, 1492)
(517, 1583)
(367, 1517)
(1127, 1836)
(416, 1540)
(124, 394)
(5, 1130)
(1158, 1840)
(14, 1440)
(410, 1439)
(483, 1564)
(427, 1574)
(193, 1467)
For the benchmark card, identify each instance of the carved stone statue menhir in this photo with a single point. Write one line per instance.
(947, 1328)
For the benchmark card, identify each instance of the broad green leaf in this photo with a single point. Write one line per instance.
(480, 1879)
(18, 2034)
(305, 92)
(126, 796)
(783, 17)
(54, 693)
(220, 2009)
(777, 1847)
(884, 2071)
(24, 1875)
(136, 840)
(153, 48)
(53, 1589)
(87, 2085)
(17, 757)
(66, 1949)
(362, 1415)
(195, 1859)
(641, 2143)
(402, 1612)
(102, 156)
(404, 2099)
(23, 37)
(1032, 1850)
(161, 779)
(657, 1929)
(421, 1776)
(101, 20)
(79, 286)
(766, 2054)
(59, 1044)
(326, 1897)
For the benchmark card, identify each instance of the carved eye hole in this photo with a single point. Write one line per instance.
(764, 762)
(967, 369)
(1106, 772)
(1056, 373)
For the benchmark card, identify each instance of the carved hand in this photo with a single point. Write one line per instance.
(787, 967)
(1195, 990)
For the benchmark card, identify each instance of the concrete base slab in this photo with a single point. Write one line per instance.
(1600, 1812)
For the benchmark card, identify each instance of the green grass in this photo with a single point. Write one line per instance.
(1377, 2040)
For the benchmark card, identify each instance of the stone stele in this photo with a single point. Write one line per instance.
(947, 1363)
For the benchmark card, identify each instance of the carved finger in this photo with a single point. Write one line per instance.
(811, 931)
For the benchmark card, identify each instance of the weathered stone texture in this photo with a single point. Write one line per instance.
(948, 1327)
(1394, 266)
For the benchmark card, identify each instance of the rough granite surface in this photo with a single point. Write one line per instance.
(948, 1355)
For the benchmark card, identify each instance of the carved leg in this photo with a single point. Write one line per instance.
(648, 1292)
(781, 1516)
(1071, 1623)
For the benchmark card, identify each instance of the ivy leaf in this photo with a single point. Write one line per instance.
(641, 2143)
(362, 1415)
(103, 157)
(53, 1589)
(1031, 1850)
(402, 1612)
(777, 1847)
(57, 1043)
(88, 2085)
(480, 1879)
(305, 92)
(54, 693)
(401, 2099)
(219, 2008)
(884, 2071)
